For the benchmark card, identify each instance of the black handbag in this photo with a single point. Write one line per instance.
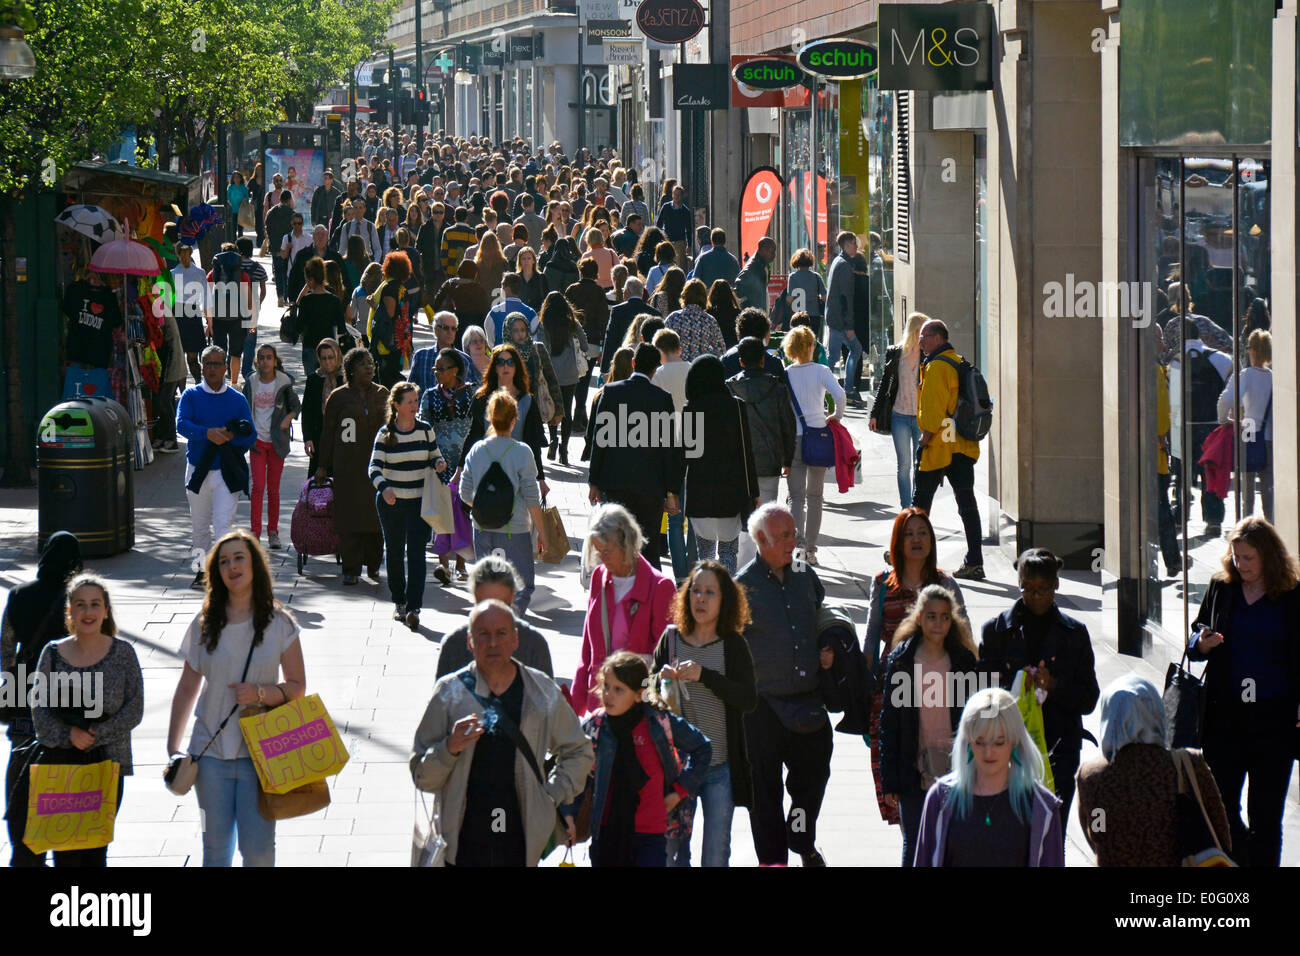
(882, 407)
(290, 328)
(1184, 699)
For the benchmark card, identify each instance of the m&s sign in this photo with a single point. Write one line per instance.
(936, 46)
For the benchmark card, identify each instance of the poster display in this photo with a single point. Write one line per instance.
(303, 170)
(758, 199)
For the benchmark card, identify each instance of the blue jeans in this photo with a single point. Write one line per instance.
(405, 532)
(227, 792)
(248, 366)
(681, 543)
(517, 548)
(907, 438)
(719, 806)
(836, 338)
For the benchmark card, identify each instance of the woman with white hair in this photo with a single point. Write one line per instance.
(628, 605)
(1128, 799)
(992, 809)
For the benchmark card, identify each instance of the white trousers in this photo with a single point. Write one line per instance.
(212, 510)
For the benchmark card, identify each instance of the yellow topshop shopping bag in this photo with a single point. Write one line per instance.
(71, 807)
(1031, 711)
(294, 744)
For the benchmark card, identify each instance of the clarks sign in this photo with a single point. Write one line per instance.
(838, 59)
(700, 86)
(670, 21)
(927, 46)
(767, 73)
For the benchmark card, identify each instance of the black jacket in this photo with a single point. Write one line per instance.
(1221, 691)
(739, 694)
(588, 300)
(1067, 649)
(532, 292)
(849, 688)
(560, 264)
(231, 461)
(614, 466)
(882, 406)
(771, 420)
(900, 726)
(722, 482)
(297, 278)
(620, 317)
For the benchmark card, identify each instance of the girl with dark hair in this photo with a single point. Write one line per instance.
(913, 556)
(448, 407)
(665, 259)
(651, 238)
(532, 286)
(647, 762)
(242, 649)
(1248, 632)
(320, 313)
(668, 298)
(721, 481)
(931, 650)
(725, 308)
(508, 371)
(355, 262)
(706, 651)
(568, 347)
(1055, 651)
(275, 405)
(353, 416)
(560, 264)
(69, 735)
(403, 450)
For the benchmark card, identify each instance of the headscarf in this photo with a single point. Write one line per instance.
(1132, 712)
(706, 377)
(526, 349)
(331, 381)
(33, 607)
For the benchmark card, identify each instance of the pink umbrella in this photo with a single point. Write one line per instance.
(125, 256)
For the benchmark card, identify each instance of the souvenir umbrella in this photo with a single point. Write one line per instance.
(93, 222)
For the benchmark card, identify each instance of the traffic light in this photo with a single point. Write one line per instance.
(379, 104)
(422, 110)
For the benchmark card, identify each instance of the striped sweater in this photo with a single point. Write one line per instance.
(401, 466)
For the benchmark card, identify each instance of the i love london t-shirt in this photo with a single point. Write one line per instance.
(93, 314)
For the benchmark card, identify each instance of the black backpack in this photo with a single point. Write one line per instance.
(974, 414)
(1205, 385)
(494, 498)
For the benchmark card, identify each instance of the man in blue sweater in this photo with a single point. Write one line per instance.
(201, 419)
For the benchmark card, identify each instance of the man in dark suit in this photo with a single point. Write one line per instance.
(621, 316)
(319, 247)
(636, 457)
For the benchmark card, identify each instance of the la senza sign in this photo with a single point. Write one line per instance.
(927, 46)
(767, 73)
(670, 21)
(839, 59)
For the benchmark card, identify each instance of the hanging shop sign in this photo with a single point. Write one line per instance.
(744, 95)
(767, 73)
(700, 86)
(596, 10)
(670, 21)
(758, 199)
(927, 46)
(521, 48)
(839, 59)
(598, 30)
(622, 52)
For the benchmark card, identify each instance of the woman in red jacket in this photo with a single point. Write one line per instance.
(628, 604)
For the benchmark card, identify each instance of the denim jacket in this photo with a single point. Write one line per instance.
(684, 753)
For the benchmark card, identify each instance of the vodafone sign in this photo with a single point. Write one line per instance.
(758, 199)
(742, 95)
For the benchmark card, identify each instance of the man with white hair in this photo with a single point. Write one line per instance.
(790, 728)
(482, 745)
(422, 374)
(621, 316)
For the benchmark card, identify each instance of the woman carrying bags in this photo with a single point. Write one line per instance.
(809, 384)
(647, 762)
(241, 650)
(275, 405)
(448, 407)
(932, 648)
(403, 452)
(92, 655)
(706, 652)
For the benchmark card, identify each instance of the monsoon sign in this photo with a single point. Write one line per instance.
(839, 59)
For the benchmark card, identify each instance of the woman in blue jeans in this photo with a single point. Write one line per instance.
(236, 649)
(897, 398)
(705, 651)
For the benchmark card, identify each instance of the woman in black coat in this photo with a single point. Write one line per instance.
(721, 480)
(935, 637)
(559, 264)
(1248, 632)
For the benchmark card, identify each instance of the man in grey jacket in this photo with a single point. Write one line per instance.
(771, 422)
(491, 808)
(751, 283)
(839, 314)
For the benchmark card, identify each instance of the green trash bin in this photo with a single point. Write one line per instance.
(85, 475)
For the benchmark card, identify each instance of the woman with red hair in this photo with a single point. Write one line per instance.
(389, 328)
(912, 557)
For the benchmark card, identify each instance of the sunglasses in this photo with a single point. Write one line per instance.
(504, 360)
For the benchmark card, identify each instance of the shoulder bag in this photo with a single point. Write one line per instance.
(817, 445)
(1198, 844)
(183, 770)
(1184, 698)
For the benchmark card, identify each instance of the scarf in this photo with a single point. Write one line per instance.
(618, 829)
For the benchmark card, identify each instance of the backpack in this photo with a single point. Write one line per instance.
(229, 277)
(494, 498)
(1206, 384)
(974, 414)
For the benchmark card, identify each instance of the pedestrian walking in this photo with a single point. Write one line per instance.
(282, 222)
(327, 377)
(725, 309)
(717, 263)
(494, 579)
(647, 762)
(1135, 785)
(840, 329)
(567, 345)
(697, 329)
(537, 360)
(993, 809)
(215, 420)
(929, 677)
(806, 289)
(894, 408)
(389, 324)
(241, 650)
(448, 406)
(751, 284)
(320, 313)
(405, 448)
(705, 652)
(1247, 630)
(354, 413)
(275, 405)
(508, 372)
(809, 383)
(193, 307)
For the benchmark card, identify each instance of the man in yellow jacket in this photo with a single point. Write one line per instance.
(943, 452)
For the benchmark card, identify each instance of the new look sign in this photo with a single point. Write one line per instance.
(936, 46)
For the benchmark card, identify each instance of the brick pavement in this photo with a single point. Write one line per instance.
(375, 675)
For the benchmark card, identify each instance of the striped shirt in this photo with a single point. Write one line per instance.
(703, 709)
(401, 466)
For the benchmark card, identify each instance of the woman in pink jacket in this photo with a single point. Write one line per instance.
(628, 605)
